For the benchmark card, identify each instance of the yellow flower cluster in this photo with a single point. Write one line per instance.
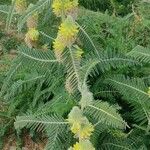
(33, 34)
(83, 145)
(80, 125)
(57, 7)
(59, 45)
(68, 30)
(83, 129)
(64, 7)
(20, 6)
(67, 33)
(86, 130)
(31, 37)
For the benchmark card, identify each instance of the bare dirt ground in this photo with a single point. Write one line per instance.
(28, 144)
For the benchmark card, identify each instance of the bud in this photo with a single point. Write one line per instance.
(32, 21)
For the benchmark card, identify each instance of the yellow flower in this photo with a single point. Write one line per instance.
(80, 125)
(66, 36)
(31, 37)
(20, 6)
(57, 7)
(68, 28)
(71, 5)
(64, 7)
(82, 129)
(58, 45)
(75, 127)
(68, 31)
(33, 34)
(83, 145)
(86, 130)
(77, 146)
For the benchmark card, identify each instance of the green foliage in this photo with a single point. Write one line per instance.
(105, 114)
(10, 44)
(141, 54)
(108, 79)
(121, 7)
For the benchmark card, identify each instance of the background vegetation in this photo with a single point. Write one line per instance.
(119, 78)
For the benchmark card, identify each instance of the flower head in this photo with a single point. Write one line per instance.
(31, 37)
(80, 125)
(86, 130)
(57, 7)
(83, 145)
(70, 5)
(64, 7)
(66, 36)
(33, 34)
(20, 6)
(77, 146)
(59, 47)
(68, 30)
(75, 127)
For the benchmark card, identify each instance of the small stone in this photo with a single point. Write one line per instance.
(13, 52)
(13, 148)
(24, 148)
